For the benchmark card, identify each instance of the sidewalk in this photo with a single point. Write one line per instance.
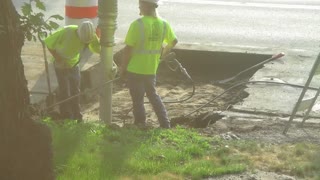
(293, 68)
(274, 101)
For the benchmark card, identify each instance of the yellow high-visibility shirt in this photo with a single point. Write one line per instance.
(68, 45)
(147, 35)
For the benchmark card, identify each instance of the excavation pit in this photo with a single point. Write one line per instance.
(218, 65)
(205, 68)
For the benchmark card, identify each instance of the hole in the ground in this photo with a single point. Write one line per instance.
(207, 67)
(215, 65)
(201, 121)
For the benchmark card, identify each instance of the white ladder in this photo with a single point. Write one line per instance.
(305, 104)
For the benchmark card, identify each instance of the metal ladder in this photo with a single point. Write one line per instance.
(305, 104)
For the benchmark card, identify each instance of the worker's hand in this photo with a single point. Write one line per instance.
(123, 76)
(122, 73)
(59, 63)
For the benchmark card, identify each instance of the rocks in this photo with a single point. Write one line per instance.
(229, 136)
(256, 175)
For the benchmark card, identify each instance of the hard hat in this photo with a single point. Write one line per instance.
(86, 31)
(156, 2)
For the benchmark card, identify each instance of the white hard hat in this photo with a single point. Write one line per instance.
(86, 31)
(151, 1)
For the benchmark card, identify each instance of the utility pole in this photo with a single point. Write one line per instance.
(107, 13)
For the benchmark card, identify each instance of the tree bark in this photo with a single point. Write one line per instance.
(25, 146)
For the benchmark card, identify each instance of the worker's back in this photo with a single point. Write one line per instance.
(147, 35)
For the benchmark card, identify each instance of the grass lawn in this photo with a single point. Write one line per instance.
(97, 152)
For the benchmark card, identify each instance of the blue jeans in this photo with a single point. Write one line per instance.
(69, 85)
(139, 85)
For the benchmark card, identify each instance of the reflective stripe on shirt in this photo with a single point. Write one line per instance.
(141, 49)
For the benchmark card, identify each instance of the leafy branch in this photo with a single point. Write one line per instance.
(33, 21)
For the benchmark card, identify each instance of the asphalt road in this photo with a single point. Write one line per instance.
(292, 24)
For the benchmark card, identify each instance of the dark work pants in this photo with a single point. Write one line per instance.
(139, 85)
(69, 85)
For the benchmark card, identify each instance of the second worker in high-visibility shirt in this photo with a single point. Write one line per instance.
(147, 39)
(65, 46)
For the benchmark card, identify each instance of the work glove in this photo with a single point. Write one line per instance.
(115, 70)
(123, 76)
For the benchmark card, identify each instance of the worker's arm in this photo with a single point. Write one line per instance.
(168, 47)
(59, 61)
(170, 40)
(127, 53)
(56, 56)
(52, 43)
(94, 46)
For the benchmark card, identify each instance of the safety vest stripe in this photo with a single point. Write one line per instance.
(148, 51)
(81, 12)
(142, 37)
(141, 50)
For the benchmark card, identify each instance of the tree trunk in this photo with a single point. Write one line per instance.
(25, 146)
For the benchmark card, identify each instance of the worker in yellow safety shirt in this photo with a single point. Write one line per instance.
(147, 39)
(65, 46)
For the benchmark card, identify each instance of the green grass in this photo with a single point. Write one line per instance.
(96, 152)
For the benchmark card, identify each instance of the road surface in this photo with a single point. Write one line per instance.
(278, 24)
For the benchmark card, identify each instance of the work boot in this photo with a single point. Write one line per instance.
(165, 125)
(141, 126)
(78, 117)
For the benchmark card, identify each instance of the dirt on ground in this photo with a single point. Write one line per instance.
(183, 100)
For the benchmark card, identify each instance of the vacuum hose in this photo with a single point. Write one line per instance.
(174, 65)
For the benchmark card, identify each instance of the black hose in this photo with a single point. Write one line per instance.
(174, 69)
(81, 93)
(185, 73)
(186, 99)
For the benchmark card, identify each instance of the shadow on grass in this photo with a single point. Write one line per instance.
(118, 147)
(94, 151)
(67, 138)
